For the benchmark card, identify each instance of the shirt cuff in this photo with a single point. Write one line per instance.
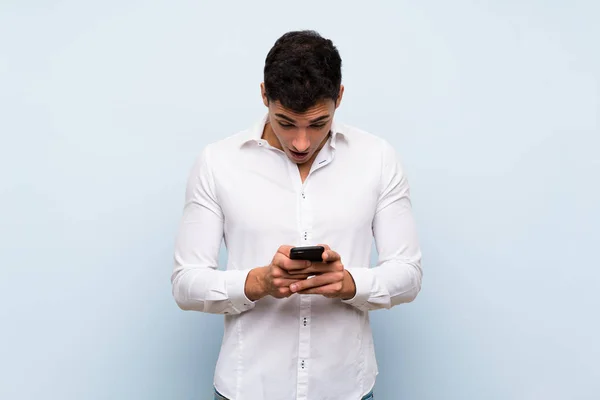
(363, 280)
(236, 285)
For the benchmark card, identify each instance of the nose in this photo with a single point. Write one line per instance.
(301, 142)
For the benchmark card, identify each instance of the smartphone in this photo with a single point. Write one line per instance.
(308, 253)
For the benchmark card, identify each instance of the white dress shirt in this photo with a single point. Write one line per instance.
(250, 194)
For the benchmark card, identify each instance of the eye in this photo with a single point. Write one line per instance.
(318, 126)
(285, 125)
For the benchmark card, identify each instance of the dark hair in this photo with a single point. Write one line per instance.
(301, 69)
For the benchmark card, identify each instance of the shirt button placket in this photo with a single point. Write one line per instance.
(303, 348)
(305, 305)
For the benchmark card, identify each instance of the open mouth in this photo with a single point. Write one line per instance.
(299, 156)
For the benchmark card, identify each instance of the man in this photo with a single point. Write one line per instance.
(296, 329)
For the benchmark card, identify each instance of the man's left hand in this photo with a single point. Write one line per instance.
(330, 278)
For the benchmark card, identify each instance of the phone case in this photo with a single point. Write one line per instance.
(309, 253)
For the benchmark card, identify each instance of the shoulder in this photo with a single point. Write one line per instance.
(364, 141)
(228, 145)
(368, 149)
(222, 150)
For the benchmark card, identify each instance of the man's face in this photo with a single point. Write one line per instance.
(301, 135)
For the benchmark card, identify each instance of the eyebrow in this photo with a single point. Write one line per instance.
(314, 121)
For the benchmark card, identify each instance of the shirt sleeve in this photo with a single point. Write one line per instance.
(397, 277)
(196, 282)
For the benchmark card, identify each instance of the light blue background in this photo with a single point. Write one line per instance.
(494, 107)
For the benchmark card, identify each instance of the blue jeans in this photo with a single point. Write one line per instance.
(219, 396)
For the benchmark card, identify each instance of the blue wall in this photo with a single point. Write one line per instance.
(494, 107)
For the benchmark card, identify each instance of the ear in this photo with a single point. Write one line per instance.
(263, 93)
(339, 99)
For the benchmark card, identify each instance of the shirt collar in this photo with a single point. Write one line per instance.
(254, 134)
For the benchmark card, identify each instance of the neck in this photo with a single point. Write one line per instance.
(270, 137)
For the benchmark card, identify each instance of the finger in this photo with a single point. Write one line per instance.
(317, 280)
(295, 265)
(282, 292)
(285, 250)
(282, 273)
(302, 272)
(319, 268)
(330, 290)
(330, 256)
(282, 261)
(284, 282)
(296, 277)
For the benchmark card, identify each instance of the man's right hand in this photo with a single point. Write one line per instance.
(274, 279)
